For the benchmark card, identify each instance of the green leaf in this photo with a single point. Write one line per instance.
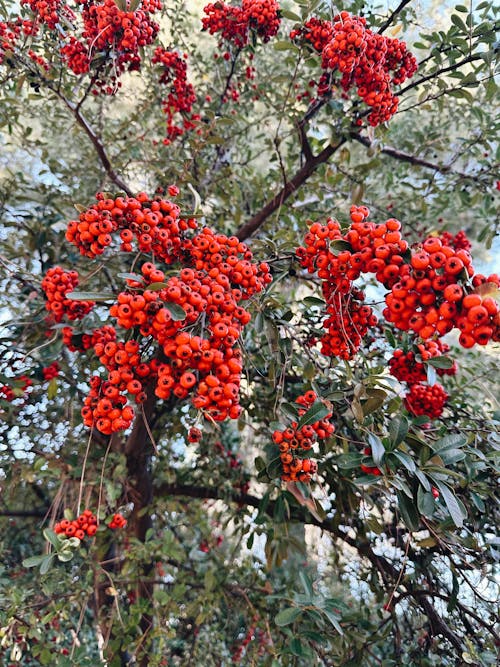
(287, 616)
(33, 561)
(287, 14)
(46, 563)
(90, 296)
(458, 22)
(408, 511)
(176, 312)
(52, 537)
(52, 389)
(339, 246)
(282, 45)
(317, 411)
(453, 440)
(455, 507)
(440, 362)
(377, 446)
(65, 555)
(406, 460)
(307, 584)
(291, 410)
(156, 287)
(131, 276)
(425, 502)
(398, 429)
(333, 620)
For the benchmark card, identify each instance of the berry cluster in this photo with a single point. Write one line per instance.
(181, 96)
(52, 371)
(85, 524)
(106, 406)
(153, 223)
(371, 62)
(16, 390)
(458, 242)
(194, 314)
(429, 285)
(423, 399)
(373, 248)
(56, 284)
(10, 31)
(294, 441)
(430, 296)
(46, 11)
(406, 368)
(117, 521)
(235, 24)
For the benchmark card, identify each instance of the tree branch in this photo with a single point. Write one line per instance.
(100, 150)
(393, 16)
(411, 159)
(389, 573)
(310, 166)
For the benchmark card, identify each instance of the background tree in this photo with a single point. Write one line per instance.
(293, 472)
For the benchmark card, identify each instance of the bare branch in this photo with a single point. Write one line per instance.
(293, 184)
(412, 159)
(393, 16)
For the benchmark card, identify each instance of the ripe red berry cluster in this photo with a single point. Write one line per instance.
(194, 314)
(423, 399)
(56, 284)
(181, 95)
(106, 407)
(430, 297)
(153, 223)
(46, 11)
(10, 31)
(405, 367)
(458, 242)
(117, 521)
(234, 24)
(293, 441)
(16, 390)
(114, 34)
(371, 62)
(85, 524)
(429, 285)
(52, 371)
(373, 248)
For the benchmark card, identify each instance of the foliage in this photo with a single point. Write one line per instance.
(318, 517)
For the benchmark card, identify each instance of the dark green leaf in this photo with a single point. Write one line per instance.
(287, 616)
(176, 312)
(316, 412)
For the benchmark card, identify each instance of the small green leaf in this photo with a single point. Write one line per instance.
(377, 447)
(52, 389)
(316, 412)
(440, 362)
(131, 276)
(455, 507)
(52, 537)
(339, 246)
(90, 296)
(156, 287)
(408, 511)
(398, 429)
(46, 563)
(287, 616)
(65, 555)
(33, 561)
(177, 312)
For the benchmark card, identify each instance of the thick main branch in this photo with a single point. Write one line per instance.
(288, 189)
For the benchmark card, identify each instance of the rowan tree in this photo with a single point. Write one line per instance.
(250, 333)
